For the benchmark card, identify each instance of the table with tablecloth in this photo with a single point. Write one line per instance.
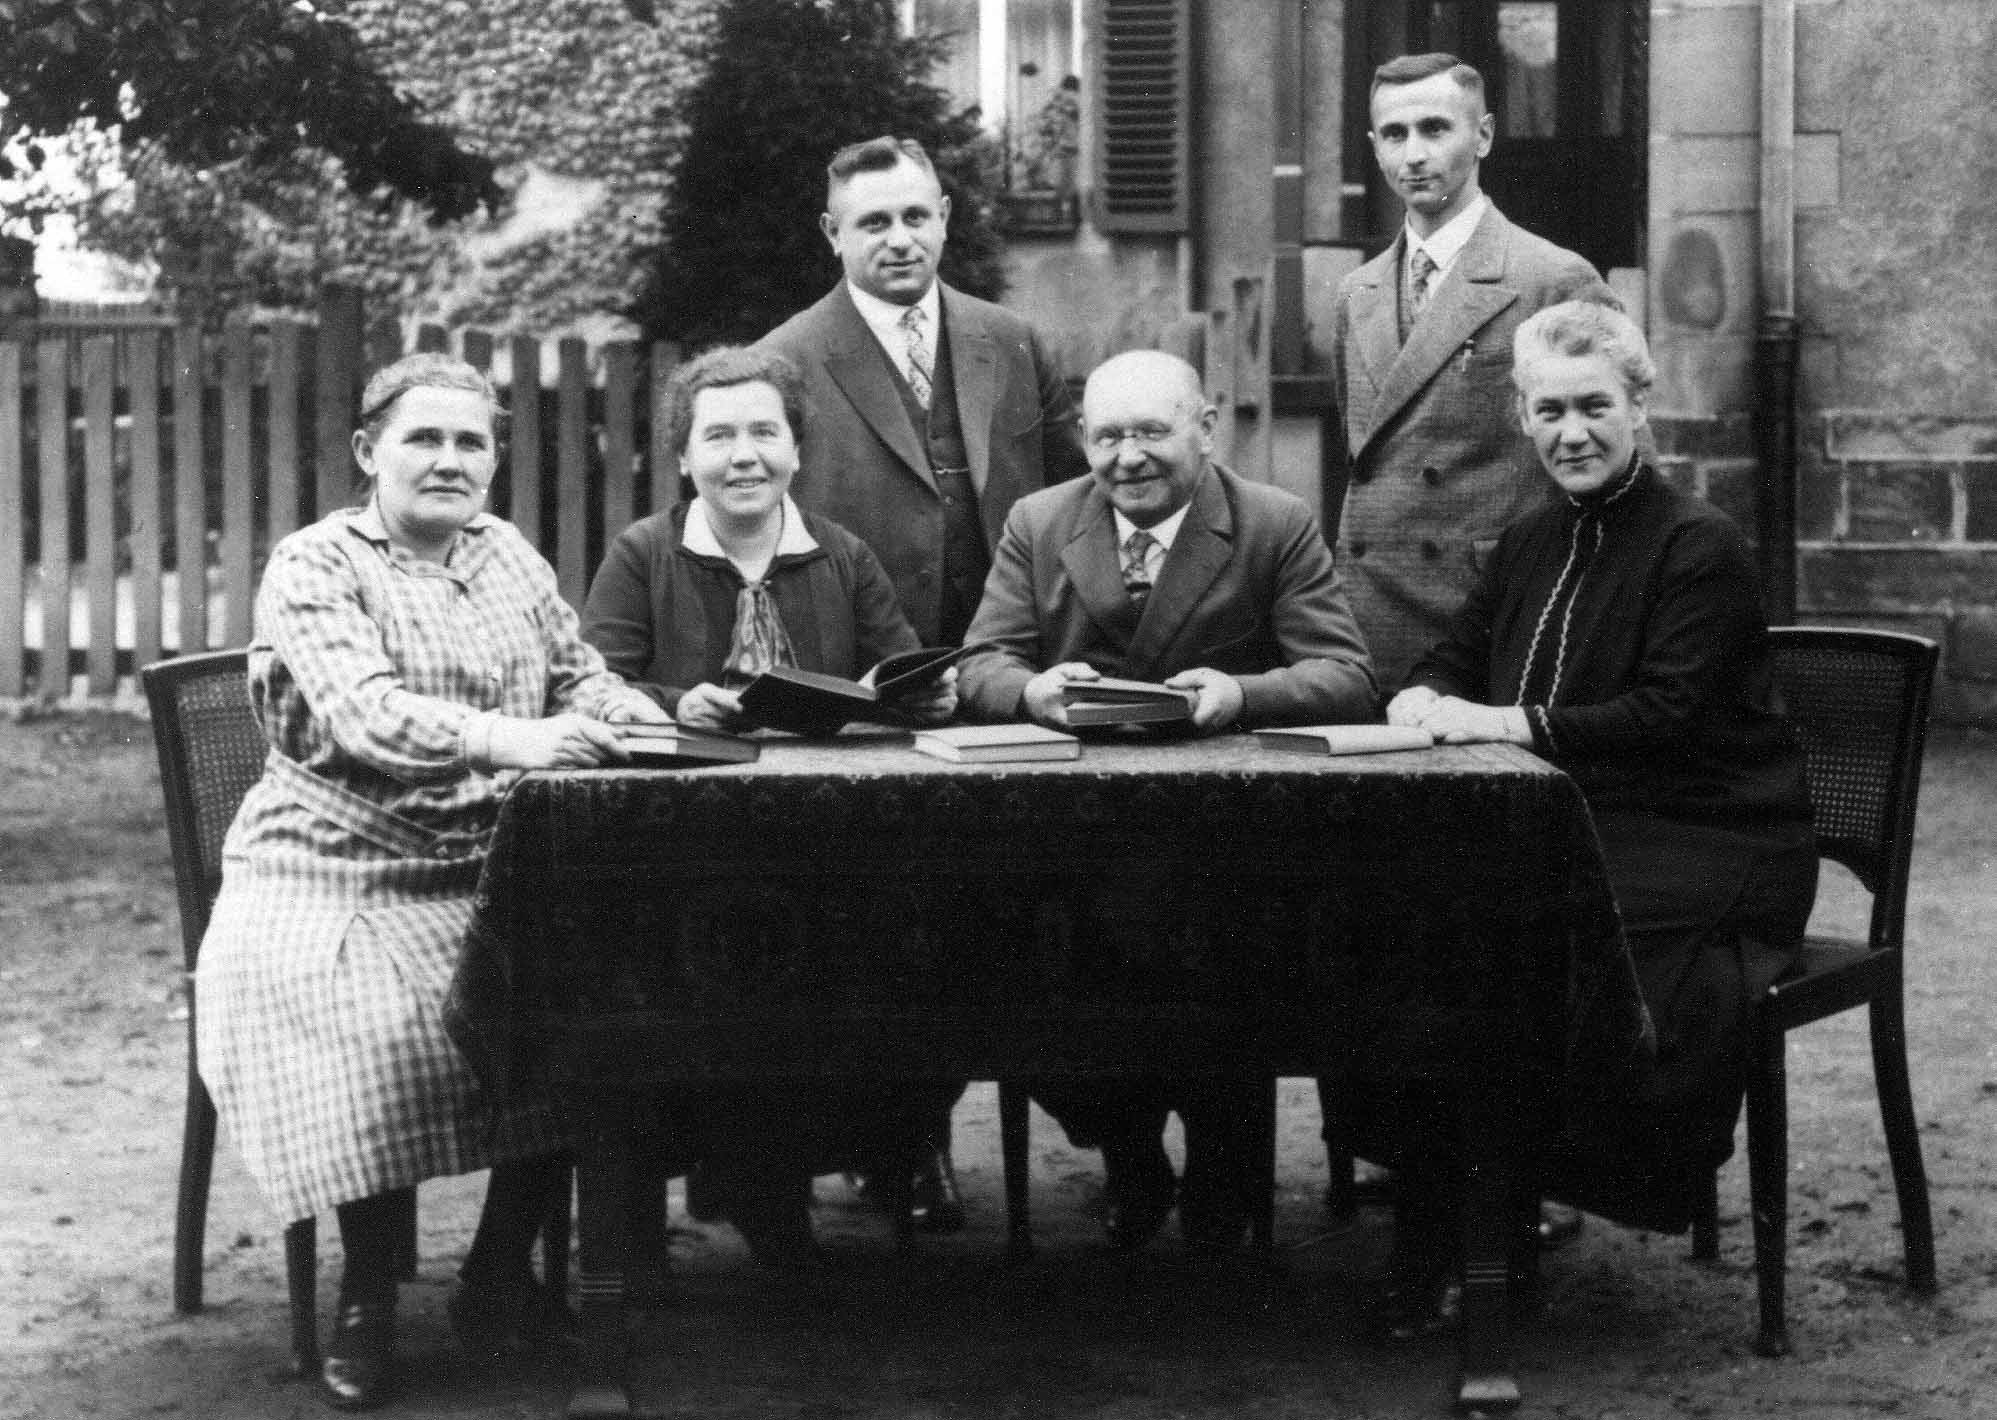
(853, 910)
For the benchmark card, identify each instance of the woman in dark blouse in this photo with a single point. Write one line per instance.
(1619, 632)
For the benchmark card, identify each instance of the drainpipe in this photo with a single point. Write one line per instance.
(1777, 340)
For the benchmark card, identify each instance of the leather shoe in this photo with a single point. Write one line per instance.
(1559, 1225)
(1139, 1180)
(358, 1370)
(934, 1204)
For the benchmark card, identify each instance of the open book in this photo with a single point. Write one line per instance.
(1344, 739)
(669, 746)
(997, 744)
(816, 703)
(1109, 701)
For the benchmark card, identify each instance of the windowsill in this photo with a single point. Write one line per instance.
(1041, 212)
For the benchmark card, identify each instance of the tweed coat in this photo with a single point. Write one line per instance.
(1248, 588)
(1437, 464)
(864, 465)
(348, 873)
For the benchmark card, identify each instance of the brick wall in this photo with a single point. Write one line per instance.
(1896, 528)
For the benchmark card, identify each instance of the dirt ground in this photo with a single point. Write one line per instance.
(92, 1032)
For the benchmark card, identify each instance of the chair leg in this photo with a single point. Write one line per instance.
(1903, 1140)
(1341, 1197)
(555, 1234)
(1768, 1182)
(1014, 1126)
(301, 1280)
(197, 1165)
(1706, 1221)
(1261, 1171)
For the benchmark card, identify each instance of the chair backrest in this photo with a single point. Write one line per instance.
(1859, 702)
(211, 750)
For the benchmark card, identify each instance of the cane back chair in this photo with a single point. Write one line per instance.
(211, 751)
(1859, 704)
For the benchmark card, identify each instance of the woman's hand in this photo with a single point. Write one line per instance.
(934, 703)
(709, 707)
(1407, 708)
(558, 742)
(638, 710)
(1455, 721)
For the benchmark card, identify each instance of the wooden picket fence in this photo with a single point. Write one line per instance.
(146, 473)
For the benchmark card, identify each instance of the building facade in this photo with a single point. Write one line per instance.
(1793, 196)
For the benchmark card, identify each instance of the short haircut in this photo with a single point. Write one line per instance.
(1413, 68)
(724, 367)
(875, 155)
(1577, 328)
(425, 369)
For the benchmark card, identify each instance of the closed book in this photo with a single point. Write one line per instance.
(1345, 739)
(997, 744)
(1110, 701)
(819, 703)
(667, 746)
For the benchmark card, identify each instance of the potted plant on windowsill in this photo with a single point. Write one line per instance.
(1045, 201)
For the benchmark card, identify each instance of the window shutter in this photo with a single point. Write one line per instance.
(1144, 79)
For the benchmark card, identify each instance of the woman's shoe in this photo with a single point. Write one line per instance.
(358, 1370)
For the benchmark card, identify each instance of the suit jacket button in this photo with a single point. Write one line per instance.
(1431, 476)
(1429, 551)
(1357, 549)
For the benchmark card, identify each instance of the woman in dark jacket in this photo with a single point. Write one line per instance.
(689, 606)
(1618, 631)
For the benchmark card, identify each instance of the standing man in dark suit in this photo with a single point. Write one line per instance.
(1422, 365)
(932, 412)
(1165, 566)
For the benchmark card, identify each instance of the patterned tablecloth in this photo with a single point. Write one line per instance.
(848, 908)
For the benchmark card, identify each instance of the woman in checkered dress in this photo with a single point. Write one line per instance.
(410, 656)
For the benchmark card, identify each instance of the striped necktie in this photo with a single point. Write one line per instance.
(917, 348)
(1137, 566)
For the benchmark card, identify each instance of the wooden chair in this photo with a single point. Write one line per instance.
(210, 752)
(1859, 702)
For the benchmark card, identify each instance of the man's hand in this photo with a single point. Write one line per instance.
(1042, 696)
(1410, 705)
(1220, 697)
(709, 707)
(558, 742)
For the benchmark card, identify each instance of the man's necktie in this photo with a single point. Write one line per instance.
(1421, 275)
(918, 354)
(1136, 566)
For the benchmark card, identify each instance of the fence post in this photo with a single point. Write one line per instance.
(572, 469)
(620, 434)
(52, 428)
(13, 525)
(190, 493)
(339, 374)
(148, 527)
(523, 507)
(100, 546)
(239, 507)
(665, 481)
(287, 358)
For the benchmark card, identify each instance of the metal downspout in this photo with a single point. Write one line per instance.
(1777, 339)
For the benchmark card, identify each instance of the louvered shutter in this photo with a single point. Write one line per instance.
(1144, 156)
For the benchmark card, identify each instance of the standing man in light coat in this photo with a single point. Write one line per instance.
(1422, 365)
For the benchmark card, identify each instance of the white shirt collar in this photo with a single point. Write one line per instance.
(883, 318)
(1446, 242)
(699, 534)
(1163, 531)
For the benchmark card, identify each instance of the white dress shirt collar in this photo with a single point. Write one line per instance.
(1162, 531)
(883, 318)
(1446, 242)
(699, 534)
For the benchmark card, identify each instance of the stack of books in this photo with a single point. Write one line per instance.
(677, 747)
(1109, 701)
(997, 744)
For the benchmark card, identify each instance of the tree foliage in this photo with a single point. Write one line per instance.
(216, 81)
(789, 82)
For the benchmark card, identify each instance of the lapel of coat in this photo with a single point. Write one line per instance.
(1199, 553)
(856, 363)
(1471, 294)
(974, 363)
(1094, 567)
(1376, 338)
